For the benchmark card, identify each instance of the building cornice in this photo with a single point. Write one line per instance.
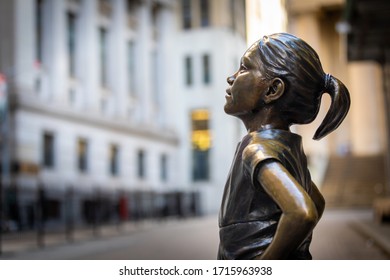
(153, 132)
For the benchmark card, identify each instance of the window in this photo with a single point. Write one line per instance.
(188, 70)
(39, 29)
(72, 19)
(48, 150)
(132, 13)
(114, 160)
(186, 13)
(206, 69)
(105, 7)
(155, 20)
(204, 13)
(72, 96)
(164, 168)
(141, 164)
(201, 144)
(155, 77)
(131, 6)
(103, 55)
(82, 155)
(103, 104)
(131, 66)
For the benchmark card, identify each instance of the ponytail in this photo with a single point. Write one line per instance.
(338, 108)
(298, 65)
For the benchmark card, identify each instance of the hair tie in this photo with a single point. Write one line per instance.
(328, 78)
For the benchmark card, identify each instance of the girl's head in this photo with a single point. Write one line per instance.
(289, 60)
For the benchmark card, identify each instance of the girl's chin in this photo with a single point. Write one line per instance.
(231, 112)
(227, 109)
(231, 109)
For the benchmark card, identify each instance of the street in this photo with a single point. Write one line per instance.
(336, 237)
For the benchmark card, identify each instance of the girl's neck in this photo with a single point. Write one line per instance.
(264, 119)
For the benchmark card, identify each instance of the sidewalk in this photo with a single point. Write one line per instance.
(378, 233)
(342, 234)
(19, 242)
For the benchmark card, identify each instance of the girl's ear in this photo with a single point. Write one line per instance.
(275, 90)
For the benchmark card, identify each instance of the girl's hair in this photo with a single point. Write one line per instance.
(298, 65)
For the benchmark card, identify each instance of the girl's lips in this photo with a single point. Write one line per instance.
(228, 94)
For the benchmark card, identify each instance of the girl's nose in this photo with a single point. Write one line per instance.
(230, 80)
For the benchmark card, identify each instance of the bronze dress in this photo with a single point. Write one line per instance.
(248, 216)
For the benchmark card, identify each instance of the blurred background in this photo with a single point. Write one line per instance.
(112, 110)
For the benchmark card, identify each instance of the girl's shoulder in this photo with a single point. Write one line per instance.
(271, 144)
(278, 135)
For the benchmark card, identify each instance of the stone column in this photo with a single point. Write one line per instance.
(24, 73)
(165, 80)
(367, 110)
(118, 69)
(89, 56)
(166, 100)
(143, 63)
(57, 63)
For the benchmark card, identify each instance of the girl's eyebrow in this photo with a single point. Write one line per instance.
(245, 61)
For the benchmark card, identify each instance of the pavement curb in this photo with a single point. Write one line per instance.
(378, 233)
(16, 246)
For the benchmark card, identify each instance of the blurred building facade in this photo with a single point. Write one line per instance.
(208, 47)
(113, 95)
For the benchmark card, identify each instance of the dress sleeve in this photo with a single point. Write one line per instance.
(255, 155)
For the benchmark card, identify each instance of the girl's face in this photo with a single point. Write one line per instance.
(246, 86)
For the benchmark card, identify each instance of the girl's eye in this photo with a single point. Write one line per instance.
(242, 68)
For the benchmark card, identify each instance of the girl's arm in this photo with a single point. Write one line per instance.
(299, 215)
(318, 199)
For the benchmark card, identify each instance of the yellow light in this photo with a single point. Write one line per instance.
(201, 139)
(201, 136)
(200, 115)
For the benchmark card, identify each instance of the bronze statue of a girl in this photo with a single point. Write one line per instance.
(270, 204)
